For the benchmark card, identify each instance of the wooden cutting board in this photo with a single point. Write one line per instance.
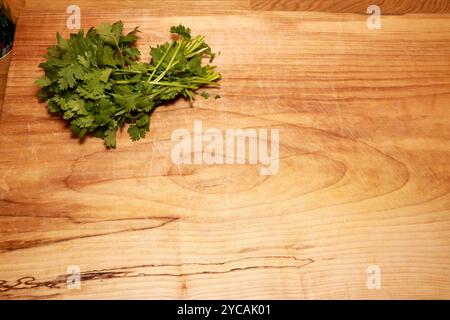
(363, 179)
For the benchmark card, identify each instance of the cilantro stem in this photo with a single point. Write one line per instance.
(172, 84)
(124, 81)
(126, 71)
(196, 52)
(194, 44)
(171, 64)
(120, 52)
(160, 61)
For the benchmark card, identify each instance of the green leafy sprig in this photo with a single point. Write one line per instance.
(96, 82)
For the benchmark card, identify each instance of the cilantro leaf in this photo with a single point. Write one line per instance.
(43, 82)
(108, 58)
(62, 43)
(182, 31)
(68, 76)
(205, 94)
(110, 138)
(136, 133)
(110, 33)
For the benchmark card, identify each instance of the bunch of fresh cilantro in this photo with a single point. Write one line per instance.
(96, 82)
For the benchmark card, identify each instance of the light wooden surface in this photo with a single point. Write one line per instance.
(354, 6)
(364, 173)
(4, 65)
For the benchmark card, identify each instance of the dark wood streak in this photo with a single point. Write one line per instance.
(81, 221)
(30, 282)
(8, 246)
(221, 263)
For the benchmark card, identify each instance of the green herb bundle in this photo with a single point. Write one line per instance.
(96, 82)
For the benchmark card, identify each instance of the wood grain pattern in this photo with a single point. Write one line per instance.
(354, 6)
(4, 65)
(166, 6)
(364, 173)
